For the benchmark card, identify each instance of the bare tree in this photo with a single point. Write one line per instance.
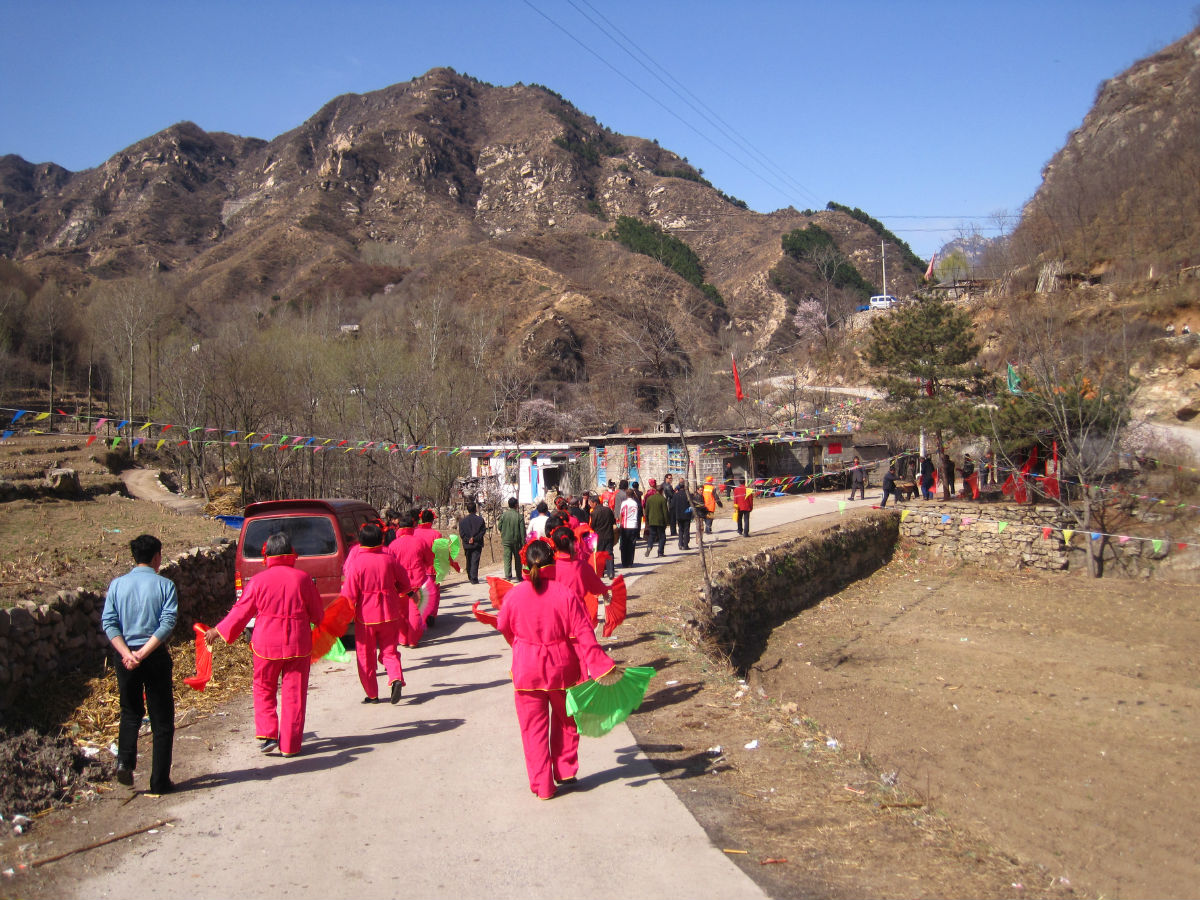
(1074, 393)
(50, 313)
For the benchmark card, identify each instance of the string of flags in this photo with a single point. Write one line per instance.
(139, 433)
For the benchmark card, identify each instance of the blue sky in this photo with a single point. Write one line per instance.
(930, 116)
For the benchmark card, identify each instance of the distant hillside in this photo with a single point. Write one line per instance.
(497, 198)
(1123, 194)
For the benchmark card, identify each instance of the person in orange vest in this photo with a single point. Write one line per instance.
(711, 502)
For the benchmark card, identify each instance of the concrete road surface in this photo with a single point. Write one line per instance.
(427, 798)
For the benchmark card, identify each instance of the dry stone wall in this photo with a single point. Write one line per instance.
(973, 533)
(756, 593)
(39, 641)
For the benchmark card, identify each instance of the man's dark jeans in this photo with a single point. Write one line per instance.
(152, 676)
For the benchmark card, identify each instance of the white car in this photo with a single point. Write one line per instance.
(883, 301)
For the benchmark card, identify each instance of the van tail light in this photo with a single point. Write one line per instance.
(237, 583)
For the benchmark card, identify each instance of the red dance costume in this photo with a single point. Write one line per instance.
(426, 532)
(416, 558)
(581, 580)
(377, 584)
(285, 604)
(552, 643)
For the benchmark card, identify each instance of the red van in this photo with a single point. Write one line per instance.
(322, 533)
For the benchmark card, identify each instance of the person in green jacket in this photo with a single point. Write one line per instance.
(512, 536)
(656, 518)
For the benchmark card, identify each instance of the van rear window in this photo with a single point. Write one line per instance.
(311, 535)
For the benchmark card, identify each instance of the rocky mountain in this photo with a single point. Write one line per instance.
(496, 197)
(1123, 194)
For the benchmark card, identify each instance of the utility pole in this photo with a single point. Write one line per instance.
(883, 258)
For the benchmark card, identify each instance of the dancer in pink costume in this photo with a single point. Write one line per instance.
(285, 604)
(416, 558)
(552, 642)
(426, 532)
(378, 587)
(575, 574)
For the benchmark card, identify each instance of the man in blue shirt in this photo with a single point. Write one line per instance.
(139, 615)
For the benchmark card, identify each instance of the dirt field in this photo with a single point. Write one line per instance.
(937, 731)
(50, 544)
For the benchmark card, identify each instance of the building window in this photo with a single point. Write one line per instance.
(676, 462)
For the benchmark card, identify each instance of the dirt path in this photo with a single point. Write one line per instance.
(146, 484)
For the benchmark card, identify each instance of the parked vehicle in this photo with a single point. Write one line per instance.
(883, 301)
(322, 533)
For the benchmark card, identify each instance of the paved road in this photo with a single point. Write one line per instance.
(427, 798)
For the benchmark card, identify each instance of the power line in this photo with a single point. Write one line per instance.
(706, 112)
(772, 185)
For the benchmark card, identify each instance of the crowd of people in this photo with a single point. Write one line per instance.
(390, 587)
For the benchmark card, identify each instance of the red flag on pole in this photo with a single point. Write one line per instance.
(737, 381)
(929, 271)
(1050, 483)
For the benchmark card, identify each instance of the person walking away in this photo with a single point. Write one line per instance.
(433, 591)
(603, 524)
(512, 537)
(140, 610)
(552, 643)
(858, 479)
(950, 475)
(711, 502)
(471, 531)
(927, 477)
(574, 573)
(681, 506)
(889, 487)
(656, 520)
(627, 522)
(537, 522)
(378, 586)
(668, 490)
(620, 495)
(284, 603)
(743, 500)
(415, 556)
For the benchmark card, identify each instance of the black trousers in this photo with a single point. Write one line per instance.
(743, 522)
(685, 533)
(609, 566)
(628, 546)
(153, 678)
(473, 563)
(656, 537)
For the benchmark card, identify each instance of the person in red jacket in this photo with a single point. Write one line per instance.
(284, 603)
(552, 643)
(743, 500)
(416, 557)
(378, 587)
(426, 532)
(573, 573)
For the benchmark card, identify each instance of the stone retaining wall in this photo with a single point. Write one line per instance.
(756, 593)
(971, 532)
(42, 640)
